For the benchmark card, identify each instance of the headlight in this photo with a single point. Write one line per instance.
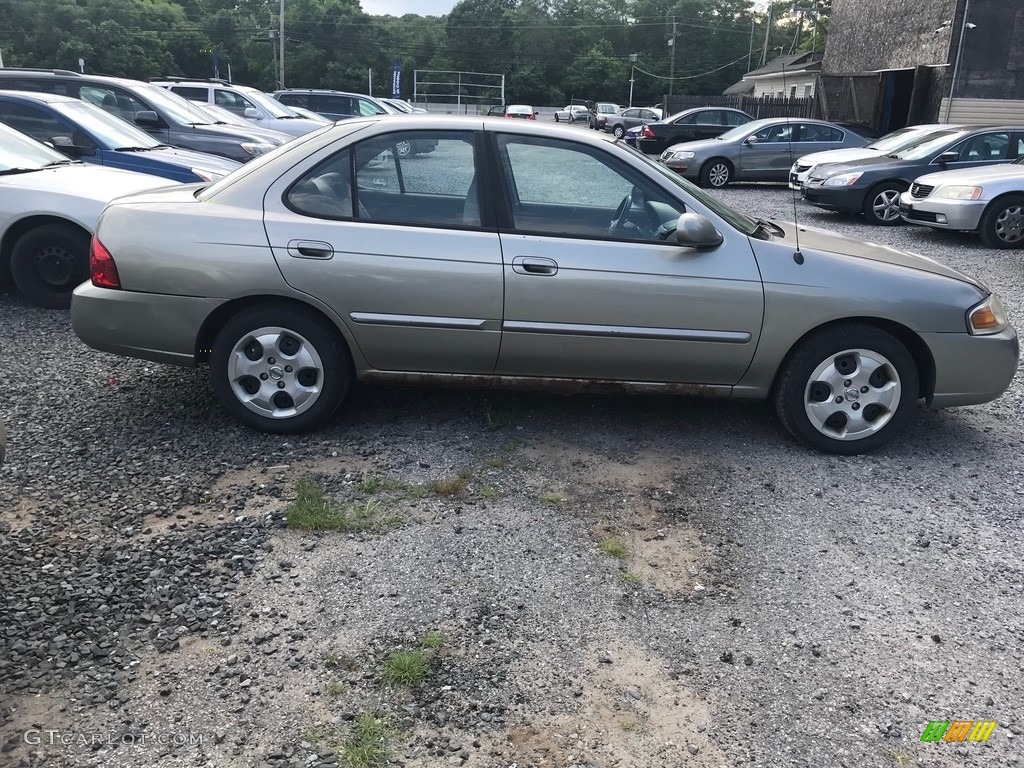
(207, 175)
(842, 180)
(256, 148)
(987, 318)
(681, 156)
(958, 192)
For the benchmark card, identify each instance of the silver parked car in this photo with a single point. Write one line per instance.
(517, 253)
(987, 200)
(761, 150)
(617, 125)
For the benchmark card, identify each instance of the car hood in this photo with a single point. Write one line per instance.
(239, 133)
(830, 242)
(187, 158)
(838, 156)
(885, 164)
(86, 182)
(295, 126)
(698, 146)
(973, 175)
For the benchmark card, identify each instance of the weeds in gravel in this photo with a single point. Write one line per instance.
(313, 511)
(613, 546)
(629, 725)
(406, 668)
(489, 492)
(902, 759)
(336, 687)
(340, 661)
(367, 744)
(496, 462)
(550, 497)
(433, 639)
(375, 484)
(452, 486)
(630, 577)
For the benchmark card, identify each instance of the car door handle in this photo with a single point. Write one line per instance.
(309, 249)
(534, 265)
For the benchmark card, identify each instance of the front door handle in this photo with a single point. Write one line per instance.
(309, 249)
(534, 265)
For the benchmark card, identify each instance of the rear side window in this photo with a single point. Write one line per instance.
(734, 119)
(191, 92)
(293, 100)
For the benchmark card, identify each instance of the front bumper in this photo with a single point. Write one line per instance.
(842, 199)
(148, 326)
(942, 213)
(972, 369)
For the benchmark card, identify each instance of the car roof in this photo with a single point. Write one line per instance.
(37, 96)
(61, 74)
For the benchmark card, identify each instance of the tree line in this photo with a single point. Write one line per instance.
(549, 50)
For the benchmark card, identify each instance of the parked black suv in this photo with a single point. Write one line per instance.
(170, 118)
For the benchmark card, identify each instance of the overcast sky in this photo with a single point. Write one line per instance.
(399, 7)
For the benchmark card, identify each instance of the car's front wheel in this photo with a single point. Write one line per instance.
(48, 262)
(882, 204)
(1002, 226)
(847, 389)
(280, 368)
(716, 173)
(556, 117)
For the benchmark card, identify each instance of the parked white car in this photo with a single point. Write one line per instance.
(987, 200)
(571, 113)
(48, 210)
(891, 142)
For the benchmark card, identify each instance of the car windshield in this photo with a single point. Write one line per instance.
(273, 106)
(111, 131)
(18, 151)
(400, 106)
(929, 144)
(897, 140)
(740, 221)
(178, 108)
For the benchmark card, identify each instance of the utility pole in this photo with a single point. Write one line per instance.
(632, 76)
(750, 50)
(672, 66)
(280, 45)
(767, 32)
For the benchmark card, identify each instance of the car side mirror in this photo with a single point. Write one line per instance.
(251, 113)
(695, 231)
(751, 140)
(147, 118)
(947, 157)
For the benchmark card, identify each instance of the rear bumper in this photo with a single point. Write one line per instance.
(148, 326)
(653, 146)
(972, 369)
(842, 199)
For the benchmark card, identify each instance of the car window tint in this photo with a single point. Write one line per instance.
(774, 133)
(419, 178)
(114, 100)
(369, 108)
(230, 101)
(326, 190)
(687, 119)
(814, 132)
(33, 122)
(734, 119)
(560, 188)
(985, 147)
(191, 92)
(293, 100)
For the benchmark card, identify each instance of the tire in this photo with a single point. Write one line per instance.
(1002, 225)
(618, 131)
(403, 148)
(716, 173)
(557, 120)
(310, 344)
(48, 263)
(869, 370)
(882, 204)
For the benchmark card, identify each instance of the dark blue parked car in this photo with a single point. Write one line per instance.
(86, 132)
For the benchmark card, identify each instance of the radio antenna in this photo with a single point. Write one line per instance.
(798, 256)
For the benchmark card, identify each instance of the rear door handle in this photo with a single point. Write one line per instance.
(534, 265)
(309, 249)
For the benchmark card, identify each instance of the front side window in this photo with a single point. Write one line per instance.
(231, 101)
(191, 92)
(368, 108)
(774, 133)
(33, 122)
(114, 100)
(587, 196)
(985, 147)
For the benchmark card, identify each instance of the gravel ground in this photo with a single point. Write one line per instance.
(608, 581)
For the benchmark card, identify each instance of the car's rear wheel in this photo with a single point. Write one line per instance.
(48, 262)
(618, 131)
(1002, 226)
(882, 204)
(280, 368)
(847, 389)
(403, 148)
(556, 117)
(716, 173)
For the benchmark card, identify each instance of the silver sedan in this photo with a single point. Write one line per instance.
(517, 254)
(987, 200)
(761, 150)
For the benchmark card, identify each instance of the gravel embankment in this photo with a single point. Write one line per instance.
(770, 606)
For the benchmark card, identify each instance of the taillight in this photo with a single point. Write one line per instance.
(647, 133)
(531, 117)
(102, 269)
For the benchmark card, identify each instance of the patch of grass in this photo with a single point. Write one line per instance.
(433, 639)
(452, 486)
(494, 422)
(406, 668)
(902, 759)
(489, 492)
(340, 661)
(550, 497)
(613, 546)
(629, 725)
(375, 484)
(336, 687)
(630, 577)
(313, 511)
(497, 462)
(367, 744)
